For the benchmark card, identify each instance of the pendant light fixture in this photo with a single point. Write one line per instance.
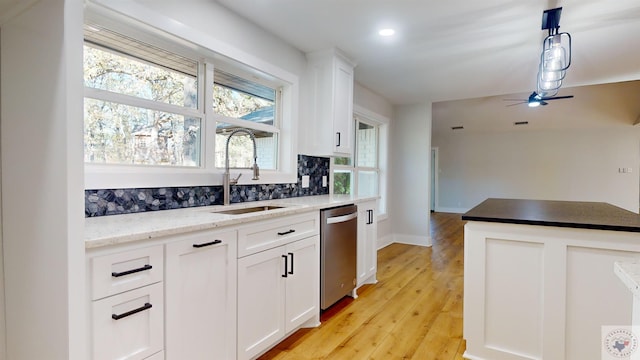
(555, 58)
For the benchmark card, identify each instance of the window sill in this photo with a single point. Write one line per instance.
(122, 177)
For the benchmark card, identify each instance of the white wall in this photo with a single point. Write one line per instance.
(42, 190)
(560, 164)
(232, 32)
(409, 173)
(367, 99)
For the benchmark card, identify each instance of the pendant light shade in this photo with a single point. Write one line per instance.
(555, 58)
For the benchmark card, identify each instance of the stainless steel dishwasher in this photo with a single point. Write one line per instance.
(338, 253)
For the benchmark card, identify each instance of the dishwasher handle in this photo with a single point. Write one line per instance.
(342, 218)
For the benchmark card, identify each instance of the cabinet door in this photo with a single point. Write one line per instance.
(367, 246)
(200, 297)
(261, 301)
(343, 107)
(303, 282)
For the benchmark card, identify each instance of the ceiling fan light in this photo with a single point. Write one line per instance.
(534, 103)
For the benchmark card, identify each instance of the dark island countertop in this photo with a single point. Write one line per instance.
(572, 214)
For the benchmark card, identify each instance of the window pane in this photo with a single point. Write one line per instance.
(121, 134)
(367, 142)
(238, 104)
(241, 148)
(119, 73)
(342, 182)
(367, 183)
(342, 161)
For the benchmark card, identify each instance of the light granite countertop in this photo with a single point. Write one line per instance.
(118, 229)
(629, 274)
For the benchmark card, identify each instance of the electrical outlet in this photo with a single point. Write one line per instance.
(305, 181)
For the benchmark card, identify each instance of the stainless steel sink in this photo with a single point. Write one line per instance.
(247, 210)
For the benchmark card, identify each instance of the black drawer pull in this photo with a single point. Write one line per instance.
(214, 242)
(133, 271)
(338, 144)
(286, 232)
(144, 307)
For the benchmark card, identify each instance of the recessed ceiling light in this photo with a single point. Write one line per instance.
(386, 32)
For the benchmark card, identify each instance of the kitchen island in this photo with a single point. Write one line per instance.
(539, 280)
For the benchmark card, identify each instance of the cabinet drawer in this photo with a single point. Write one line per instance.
(116, 273)
(129, 326)
(267, 234)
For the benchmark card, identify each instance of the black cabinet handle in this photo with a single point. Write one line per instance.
(338, 133)
(214, 242)
(133, 271)
(144, 307)
(291, 271)
(286, 232)
(286, 265)
(370, 212)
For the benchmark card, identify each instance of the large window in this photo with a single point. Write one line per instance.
(139, 109)
(148, 110)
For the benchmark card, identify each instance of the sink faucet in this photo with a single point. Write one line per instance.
(226, 178)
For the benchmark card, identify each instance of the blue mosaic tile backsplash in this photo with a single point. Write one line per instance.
(103, 202)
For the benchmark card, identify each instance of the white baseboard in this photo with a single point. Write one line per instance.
(403, 239)
(452, 210)
(412, 239)
(384, 241)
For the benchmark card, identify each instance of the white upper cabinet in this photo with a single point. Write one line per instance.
(328, 122)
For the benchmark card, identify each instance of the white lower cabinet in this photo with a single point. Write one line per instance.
(367, 243)
(278, 291)
(201, 297)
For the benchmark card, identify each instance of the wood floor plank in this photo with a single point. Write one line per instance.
(413, 312)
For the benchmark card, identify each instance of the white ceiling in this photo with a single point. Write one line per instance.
(456, 49)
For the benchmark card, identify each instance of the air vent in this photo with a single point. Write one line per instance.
(521, 123)
(457, 127)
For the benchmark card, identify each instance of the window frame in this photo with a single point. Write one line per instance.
(110, 176)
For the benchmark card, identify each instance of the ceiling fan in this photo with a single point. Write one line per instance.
(536, 100)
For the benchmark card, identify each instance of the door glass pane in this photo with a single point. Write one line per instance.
(367, 183)
(367, 142)
(342, 161)
(342, 182)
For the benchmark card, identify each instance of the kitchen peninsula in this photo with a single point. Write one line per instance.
(539, 279)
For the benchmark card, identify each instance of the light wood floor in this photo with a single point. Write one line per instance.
(413, 312)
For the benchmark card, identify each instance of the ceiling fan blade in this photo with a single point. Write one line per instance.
(557, 97)
(543, 103)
